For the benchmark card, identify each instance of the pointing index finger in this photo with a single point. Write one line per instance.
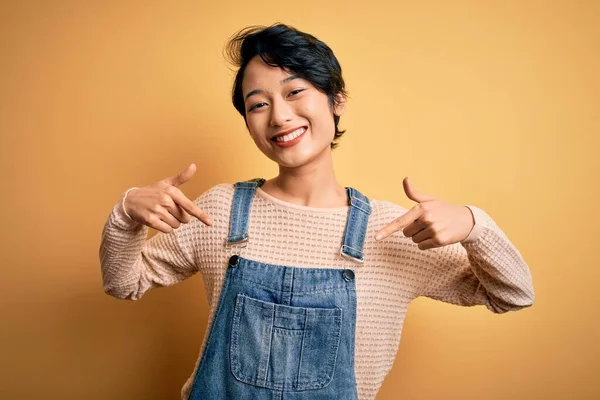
(405, 219)
(409, 217)
(191, 207)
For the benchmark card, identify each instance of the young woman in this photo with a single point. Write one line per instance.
(305, 301)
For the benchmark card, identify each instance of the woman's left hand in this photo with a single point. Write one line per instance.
(432, 222)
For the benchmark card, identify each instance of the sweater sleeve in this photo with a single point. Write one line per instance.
(484, 269)
(131, 265)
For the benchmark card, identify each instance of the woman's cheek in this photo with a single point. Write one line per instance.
(307, 109)
(254, 128)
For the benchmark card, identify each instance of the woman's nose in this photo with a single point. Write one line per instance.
(281, 112)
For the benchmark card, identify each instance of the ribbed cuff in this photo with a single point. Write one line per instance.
(120, 216)
(481, 222)
(123, 201)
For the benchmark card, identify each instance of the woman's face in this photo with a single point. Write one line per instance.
(279, 102)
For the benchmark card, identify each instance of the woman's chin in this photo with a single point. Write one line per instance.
(296, 160)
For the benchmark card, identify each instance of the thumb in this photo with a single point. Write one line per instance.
(413, 194)
(182, 177)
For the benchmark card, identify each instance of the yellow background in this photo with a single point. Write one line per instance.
(490, 103)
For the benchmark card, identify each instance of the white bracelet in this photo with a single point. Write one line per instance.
(123, 202)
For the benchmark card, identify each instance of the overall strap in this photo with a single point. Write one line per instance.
(356, 225)
(240, 210)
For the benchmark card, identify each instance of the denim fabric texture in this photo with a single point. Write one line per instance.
(281, 332)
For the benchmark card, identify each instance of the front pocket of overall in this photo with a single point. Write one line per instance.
(284, 347)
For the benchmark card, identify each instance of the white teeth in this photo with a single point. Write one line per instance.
(290, 136)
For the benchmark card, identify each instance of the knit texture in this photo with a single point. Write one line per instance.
(484, 269)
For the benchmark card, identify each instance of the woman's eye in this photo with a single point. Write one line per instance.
(293, 92)
(257, 105)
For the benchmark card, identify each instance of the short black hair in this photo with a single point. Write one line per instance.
(283, 46)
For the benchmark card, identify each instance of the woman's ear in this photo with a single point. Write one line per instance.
(340, 104)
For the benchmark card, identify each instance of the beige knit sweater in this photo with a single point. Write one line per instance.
(484, 269)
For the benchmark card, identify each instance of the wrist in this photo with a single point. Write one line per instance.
(123, 202)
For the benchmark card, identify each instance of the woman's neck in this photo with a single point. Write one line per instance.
(308, 185)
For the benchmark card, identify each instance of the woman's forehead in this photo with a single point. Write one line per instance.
(259, 75)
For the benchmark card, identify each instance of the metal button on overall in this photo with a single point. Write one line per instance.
(233, 261)
(348, 275)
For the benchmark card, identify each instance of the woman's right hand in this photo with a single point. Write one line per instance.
(162, 205)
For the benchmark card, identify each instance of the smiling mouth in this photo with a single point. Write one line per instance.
(290, 136)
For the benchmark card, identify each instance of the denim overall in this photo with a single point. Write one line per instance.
(280, 332)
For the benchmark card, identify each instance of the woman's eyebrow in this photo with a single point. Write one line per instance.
(283, 81)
